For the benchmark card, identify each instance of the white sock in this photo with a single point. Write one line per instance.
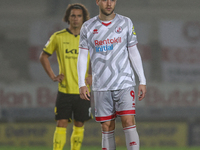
(132, 138)
(108, 140)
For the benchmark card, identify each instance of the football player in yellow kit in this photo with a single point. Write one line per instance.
(68, 103)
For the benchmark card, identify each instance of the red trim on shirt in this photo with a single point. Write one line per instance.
(133, 45)
(106, 24)
(83, 48)
(125, 112)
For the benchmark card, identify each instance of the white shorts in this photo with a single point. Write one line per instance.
(110, 104)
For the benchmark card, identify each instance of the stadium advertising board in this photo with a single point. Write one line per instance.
(152, 134)
(171, 95)
(194, 138)
(26, 134)
(28, 95)
(180, 43)
(44, 95)
(158, 134)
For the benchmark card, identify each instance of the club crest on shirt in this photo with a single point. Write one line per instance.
(118, 29)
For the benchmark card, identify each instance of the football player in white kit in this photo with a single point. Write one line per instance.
(110, 39)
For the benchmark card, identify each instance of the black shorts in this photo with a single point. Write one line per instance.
(68, 105)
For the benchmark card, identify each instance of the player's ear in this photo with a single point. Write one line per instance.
(97, 2)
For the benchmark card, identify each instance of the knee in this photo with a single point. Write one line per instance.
(78, 124)
(108, 126)
(128, 120)
(62, 123)
(127, 123)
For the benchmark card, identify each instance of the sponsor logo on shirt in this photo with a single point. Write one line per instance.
(72, 51)
(71, 54)
(106, 45)
(65, 42)
(107, 41)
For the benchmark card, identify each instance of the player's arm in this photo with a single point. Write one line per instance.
(82, 67)
(44, 59)
(136, 62)
(88, 80)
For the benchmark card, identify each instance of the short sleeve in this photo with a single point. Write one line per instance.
(51, 45)
(83, 43)
(132, 37)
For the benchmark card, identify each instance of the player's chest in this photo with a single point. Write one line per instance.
(106, 31)
(105, 39)
(69, 47)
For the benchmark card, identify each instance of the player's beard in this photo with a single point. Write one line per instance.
(105, 13)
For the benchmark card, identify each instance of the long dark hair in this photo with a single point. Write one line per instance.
(86, 15)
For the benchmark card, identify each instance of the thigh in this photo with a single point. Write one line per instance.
(63, 108)
(125, 101)
(104, 106)
(81, 109)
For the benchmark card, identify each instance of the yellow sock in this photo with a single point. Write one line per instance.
(59, 139)
(77, 137)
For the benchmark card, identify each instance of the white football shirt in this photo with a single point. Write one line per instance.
(108, 46)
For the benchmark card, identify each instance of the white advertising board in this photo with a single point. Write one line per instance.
(180, 41)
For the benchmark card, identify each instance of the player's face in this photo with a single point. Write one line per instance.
(76, 18)
(106, 6)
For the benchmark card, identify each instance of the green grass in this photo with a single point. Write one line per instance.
(99, 148)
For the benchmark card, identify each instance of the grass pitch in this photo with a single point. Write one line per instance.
(99, 148)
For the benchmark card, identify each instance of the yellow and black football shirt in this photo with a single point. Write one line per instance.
(66, 46)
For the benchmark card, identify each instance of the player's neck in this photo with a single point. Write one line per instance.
(106, 18)
(74, 31)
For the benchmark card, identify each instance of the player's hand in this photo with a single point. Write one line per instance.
(84, 93)
(141, 91)
(88, 80)
(59, 78)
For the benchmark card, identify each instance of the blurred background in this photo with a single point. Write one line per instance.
(169, 42)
